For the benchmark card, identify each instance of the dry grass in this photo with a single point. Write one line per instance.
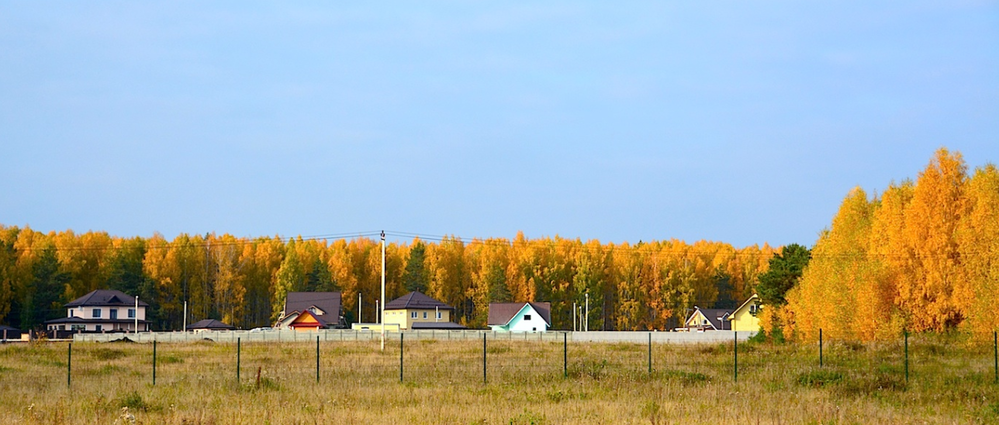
(950, 382)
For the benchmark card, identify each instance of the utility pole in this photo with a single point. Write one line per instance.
(136, 314)
(383, 289)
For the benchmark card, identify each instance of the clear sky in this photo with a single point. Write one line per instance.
(734, 121)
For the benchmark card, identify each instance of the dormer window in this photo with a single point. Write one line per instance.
(527, 317)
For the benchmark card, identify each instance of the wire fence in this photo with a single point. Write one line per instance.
(284, 360)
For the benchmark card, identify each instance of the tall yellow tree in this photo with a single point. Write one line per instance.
(978, 238)
(939, 296)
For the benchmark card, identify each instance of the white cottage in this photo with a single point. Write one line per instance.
(520, 317)
(102, 310)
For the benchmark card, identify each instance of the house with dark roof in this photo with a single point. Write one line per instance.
(520, 317)
(708, 319)
(210, 325)
(102, 310)
(312, 310)
(418, 311)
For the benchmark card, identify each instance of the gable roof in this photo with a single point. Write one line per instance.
(715, 316)
(503, 313)
(328, 302)
(210, 324)
(744, 305)
(105, 297)
(416, 300)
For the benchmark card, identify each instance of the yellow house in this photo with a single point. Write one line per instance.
(744, 318)
(417, 311)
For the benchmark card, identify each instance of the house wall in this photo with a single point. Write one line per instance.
(304, 323)
(88, 312)
(404, 318)
(697, 320)
(744, 321)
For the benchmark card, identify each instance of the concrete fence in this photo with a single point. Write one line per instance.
(330, 335)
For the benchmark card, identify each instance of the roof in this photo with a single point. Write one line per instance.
(436, 325)
(328, 302)
(714, 315)
(105, 297)
(415, 300)
(502, 313)
(8, 328)
(210, 324)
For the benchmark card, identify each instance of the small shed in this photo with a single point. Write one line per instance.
(8, 333)
(210, 325)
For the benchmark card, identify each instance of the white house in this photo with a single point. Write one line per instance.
(102, 310)
(520, 317)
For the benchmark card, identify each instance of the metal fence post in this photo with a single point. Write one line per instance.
(565, 354)
(69, 365)
(820, 347)
(735, 356)
(650, 353)
(483, 358)
(238, 352)
(317, 359)
(995, 351)
(401, 349)
(154, 362)
(906, 337)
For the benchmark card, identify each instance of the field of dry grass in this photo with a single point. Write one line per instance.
(951, 381)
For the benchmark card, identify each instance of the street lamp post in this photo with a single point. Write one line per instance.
(383, 291)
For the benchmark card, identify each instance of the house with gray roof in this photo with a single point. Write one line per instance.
(102, 310)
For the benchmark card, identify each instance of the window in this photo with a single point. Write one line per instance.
(705, 322)
(752, 309)
(131, 313)
(438, 315)
(527, 317)
(97, 313)
(424, 315)
(71, 313)
(78, 327)
(114, 313)
(412, 315)
(97, 328)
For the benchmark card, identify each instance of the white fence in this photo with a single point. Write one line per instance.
(328, 335)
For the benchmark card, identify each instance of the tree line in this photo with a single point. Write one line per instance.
(243, 281)
(922, 256)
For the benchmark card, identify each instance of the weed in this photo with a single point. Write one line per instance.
(132, 400)
(528, 418)
(819, 378)
(683, 377)
(107, 354)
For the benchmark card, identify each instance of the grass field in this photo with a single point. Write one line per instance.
(950, 381)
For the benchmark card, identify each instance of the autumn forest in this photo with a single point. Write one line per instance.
(922, 256)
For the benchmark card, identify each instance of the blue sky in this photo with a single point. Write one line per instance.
(742, 122)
